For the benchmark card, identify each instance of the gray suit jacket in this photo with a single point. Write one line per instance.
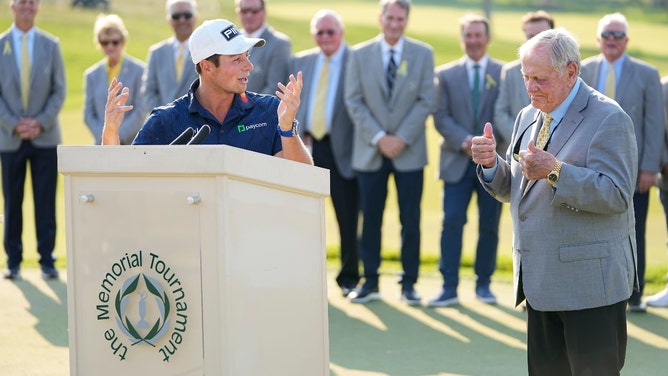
(574, 243)
(95, 92)
(270, 62)
(47, 90)
(159, 85)
(404, 114)
(512, 99)
(453, 116)
(639, 94)
(341, 132)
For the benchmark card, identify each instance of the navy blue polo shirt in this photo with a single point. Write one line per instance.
(249, 124)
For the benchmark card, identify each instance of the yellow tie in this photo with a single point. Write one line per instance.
(318, 118)
(178, 64)
(610, 82)
(544, 133)
(25, 71)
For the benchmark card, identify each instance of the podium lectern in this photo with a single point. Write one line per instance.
(194, 260)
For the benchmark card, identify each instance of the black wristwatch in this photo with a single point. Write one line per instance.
(291, 132)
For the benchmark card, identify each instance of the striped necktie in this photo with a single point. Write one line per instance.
(391, 73)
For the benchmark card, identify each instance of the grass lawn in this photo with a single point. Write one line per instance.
(432, 21)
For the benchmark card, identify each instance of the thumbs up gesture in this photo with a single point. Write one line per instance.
(535, 163)
(483, 148)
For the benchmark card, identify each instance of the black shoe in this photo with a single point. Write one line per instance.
(364, 294)
(49, 273)
(409, 296)
(11, 274)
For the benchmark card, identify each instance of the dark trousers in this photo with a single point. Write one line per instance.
(44, 175)
(373, 193)
(345, 199)
(641, 207)
(456, 199)
(585, 342)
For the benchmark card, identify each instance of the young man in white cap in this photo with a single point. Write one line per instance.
(218, 98)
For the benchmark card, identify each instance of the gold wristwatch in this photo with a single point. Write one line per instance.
(553, 176)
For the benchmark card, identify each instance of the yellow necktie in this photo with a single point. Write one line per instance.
(318, 118)
(25, 71)
(544, 133)
(178, 64)
(610, 82)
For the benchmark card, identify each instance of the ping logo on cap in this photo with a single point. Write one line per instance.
(230, 33)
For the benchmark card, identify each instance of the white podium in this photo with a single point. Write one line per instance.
(194, 260)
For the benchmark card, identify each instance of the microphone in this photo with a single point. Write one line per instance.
(184, 137)
(200, 135)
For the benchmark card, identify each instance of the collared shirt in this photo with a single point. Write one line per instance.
(481, 72)
(251, 122)
(385, 48)
(603, 72)
(186, 49)
(557, 115)
(335, 67)
(398, 49)
(18, 44)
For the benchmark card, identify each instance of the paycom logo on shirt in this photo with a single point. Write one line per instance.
(243, 128)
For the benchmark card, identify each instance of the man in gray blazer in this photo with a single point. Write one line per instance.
(637, 88)
(389, 91)
(30, 132)
(162, 83)
(466, 90)
(512, 92)
(569, 177)
(332, 141)
(271, 61)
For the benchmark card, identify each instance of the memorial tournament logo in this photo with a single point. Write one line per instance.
(148, 306)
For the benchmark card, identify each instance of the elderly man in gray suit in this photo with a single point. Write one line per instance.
(328, 130)
(271, 61)
(569, 177)
(32, 92)
(466, 90)
(512, 93)
(389, 94)
(636, 86)
(169, 69)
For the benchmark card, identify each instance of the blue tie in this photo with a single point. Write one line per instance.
(391, 73)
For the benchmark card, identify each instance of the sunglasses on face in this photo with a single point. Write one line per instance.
(615, 34)
(329, 32)
(114, 42)
(250, 10)
(178, 16)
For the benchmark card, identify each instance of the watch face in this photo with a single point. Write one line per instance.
(553, 177)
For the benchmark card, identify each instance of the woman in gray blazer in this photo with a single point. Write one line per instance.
(110, 36)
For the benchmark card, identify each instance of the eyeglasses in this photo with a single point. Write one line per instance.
(178, 16)
(251, 10)
(329, 32)
(615, 34)
(105, 43)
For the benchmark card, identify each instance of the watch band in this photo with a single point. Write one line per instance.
(290, 132)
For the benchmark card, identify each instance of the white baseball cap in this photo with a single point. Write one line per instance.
(219, 37)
